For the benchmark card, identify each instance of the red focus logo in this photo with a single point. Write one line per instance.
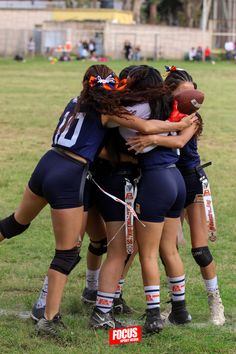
(125, 335)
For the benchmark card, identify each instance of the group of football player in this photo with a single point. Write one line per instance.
(124, 167)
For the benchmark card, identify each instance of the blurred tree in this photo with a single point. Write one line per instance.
(134, 6)
(192, 11)
(152, 11)
(69, 3)
(169, 11)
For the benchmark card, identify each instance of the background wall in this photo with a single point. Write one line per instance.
(17, 26)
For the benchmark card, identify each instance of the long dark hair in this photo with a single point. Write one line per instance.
(173, 80)
(145, 83)
(95, 96)
(98, 97)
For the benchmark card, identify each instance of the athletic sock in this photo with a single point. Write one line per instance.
(104, 301)
(152, 293)
(211, 284)
(177, 287)
(119, 288)
(92, 279)
(43, 294)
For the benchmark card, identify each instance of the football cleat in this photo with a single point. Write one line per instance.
(89, 296)
(52, 327)
(179, 314)
(103, 320)
(153, 323)
(216, 308)
(120, 306)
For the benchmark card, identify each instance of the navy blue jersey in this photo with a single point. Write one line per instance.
(82, 135)
(158, 157)
(189, 156)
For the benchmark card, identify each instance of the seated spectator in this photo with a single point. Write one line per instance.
(65, 57)
(234, 52)
(192, 54)
(229, 48)
(207, 54)
(137, 53)
(199, 54)
(91, 48)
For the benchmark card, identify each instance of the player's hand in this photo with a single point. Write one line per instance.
(188, 120)
(139, 142)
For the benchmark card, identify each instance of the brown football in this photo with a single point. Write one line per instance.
(189, 101)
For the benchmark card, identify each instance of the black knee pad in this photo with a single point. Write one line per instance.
(202, 256)
(98, 251)
(9, 227)
(65, 261)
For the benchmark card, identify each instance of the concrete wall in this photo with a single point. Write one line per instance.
(154, 41)
(23, 19)
(17, 26)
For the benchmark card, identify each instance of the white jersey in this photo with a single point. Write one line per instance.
(143, 111)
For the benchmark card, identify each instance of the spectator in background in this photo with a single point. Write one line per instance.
(128, 50)
(199, 54)
(229, 48)
(234, 53)
(31, 47)
(192, 54)
(68, 47)
(91, 48)
(65, 56)
(137, 53)
(80, 49)
(207, 54)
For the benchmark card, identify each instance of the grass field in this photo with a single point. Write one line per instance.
(33, 94)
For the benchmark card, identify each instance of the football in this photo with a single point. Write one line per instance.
(189, 101)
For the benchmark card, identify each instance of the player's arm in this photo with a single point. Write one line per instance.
(139, 142)
(151, 126)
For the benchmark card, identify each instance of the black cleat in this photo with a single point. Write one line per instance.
(37, 313)
(179, 314)
(89, 296)
(153, 323)
(52, 327)
(103, 320)
(120, 306)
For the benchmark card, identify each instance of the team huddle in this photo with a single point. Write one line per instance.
(124, 168)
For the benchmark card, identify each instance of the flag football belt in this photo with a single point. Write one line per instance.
(130, 195)
(207, 199)
(195, 169)
(209, 210)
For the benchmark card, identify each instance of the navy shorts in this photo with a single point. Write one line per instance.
(60, 180)
(193, 185)
(113, 181)
(89, 194)
(161, 194)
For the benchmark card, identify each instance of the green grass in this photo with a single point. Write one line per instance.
(33, 94)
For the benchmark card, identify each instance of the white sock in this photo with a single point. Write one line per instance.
(119, 288)
(152, 293)
(177, 287)
(92, 279)
(211, 284)
(43, 294)
(104, 301)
